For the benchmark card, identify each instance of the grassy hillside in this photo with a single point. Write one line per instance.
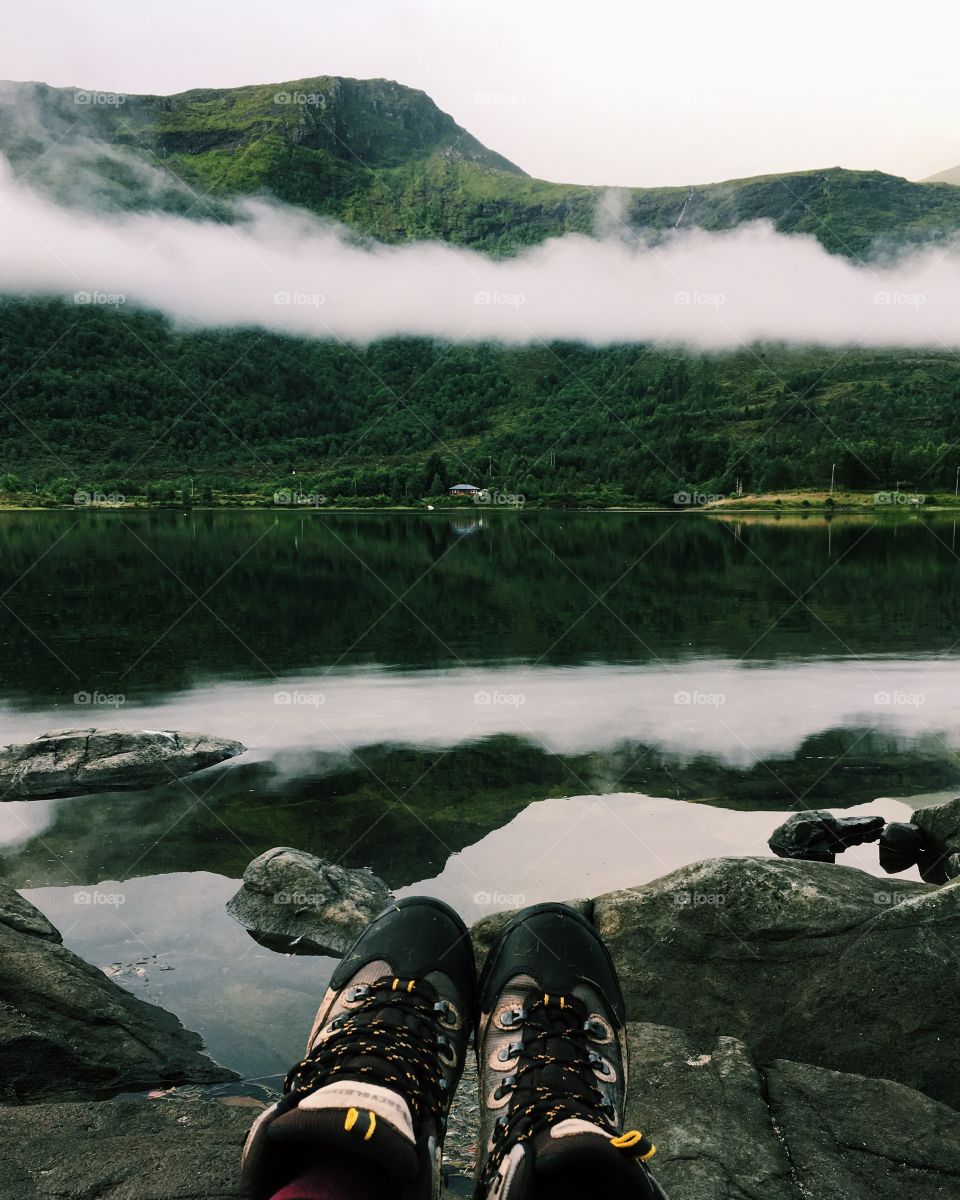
(112, 400)
(384, 159)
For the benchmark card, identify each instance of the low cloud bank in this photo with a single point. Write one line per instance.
(283, 270)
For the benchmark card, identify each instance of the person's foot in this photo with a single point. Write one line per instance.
(552, 1063)
(383, 1059)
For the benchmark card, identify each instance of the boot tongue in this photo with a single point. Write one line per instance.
(363, 1119)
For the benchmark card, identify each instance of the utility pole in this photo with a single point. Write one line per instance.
(956, 490)
(833, 475)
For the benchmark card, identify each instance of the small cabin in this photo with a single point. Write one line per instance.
(464, 489)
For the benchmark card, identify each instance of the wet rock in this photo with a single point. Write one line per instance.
(69, 1033)
(901, 845)
(818, 836)
(297, 903)
(75, 762)
(154, 1150)
(821, 964)
(20, 915)
(939, 826)
(723, 1128)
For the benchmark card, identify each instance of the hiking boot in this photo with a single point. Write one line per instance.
(383, 1059)
(552, 1063)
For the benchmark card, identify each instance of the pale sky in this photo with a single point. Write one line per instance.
(609, 92)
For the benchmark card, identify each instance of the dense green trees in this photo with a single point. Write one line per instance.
(122, 402)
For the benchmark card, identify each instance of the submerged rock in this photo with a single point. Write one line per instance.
(75, 762)
(295, 902)
(821, 964)
(68, 1033)
(818, 836)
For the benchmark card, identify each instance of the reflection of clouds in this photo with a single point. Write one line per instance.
(223, 985)
(765, 710)
(583, 846)
(20, 820)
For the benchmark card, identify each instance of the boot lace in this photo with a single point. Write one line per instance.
(393, 1037)
(556, 1032)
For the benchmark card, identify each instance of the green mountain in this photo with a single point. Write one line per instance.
(385, 160)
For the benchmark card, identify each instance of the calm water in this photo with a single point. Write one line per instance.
(498, 710)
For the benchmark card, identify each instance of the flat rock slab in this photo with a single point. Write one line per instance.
(68, 1032)
(726, 1131)
(20, 915)
(295, 902)
(77, 762)
(122, 1150)
(808, 961)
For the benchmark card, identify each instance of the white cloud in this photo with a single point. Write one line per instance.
(284, 270)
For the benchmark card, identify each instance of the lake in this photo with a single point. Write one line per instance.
(497, 709)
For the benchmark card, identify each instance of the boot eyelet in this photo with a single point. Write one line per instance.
(447, 1015)
(446, 1051)
(505, 1058)
(500, 1095)
(597, 1029)
(354, 995)
(510, 1018)
(602, 1067)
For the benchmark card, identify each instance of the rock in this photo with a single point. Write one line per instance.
(952, 867)
(901, 845)
(484, 933)
(818, 836)
(939, 827)
(75, 762)
(122, 1149)
(725, 1129)
(19, 914)
(68, 1032)
(821, 964)
(297, 903)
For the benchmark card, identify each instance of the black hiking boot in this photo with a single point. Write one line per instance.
(383, 1059)
(552, 1063)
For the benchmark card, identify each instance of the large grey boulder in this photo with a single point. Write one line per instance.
(818, 963)
(792, 1131)
(75, 762)
(295, 902)
(68, 1032)
(939, 827)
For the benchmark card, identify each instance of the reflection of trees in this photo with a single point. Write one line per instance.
(318, 589)
(403, 810)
